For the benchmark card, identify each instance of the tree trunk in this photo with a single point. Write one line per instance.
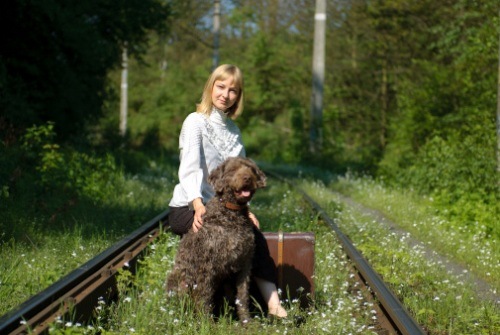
(318, 77)
(215, 61)
(124, 98)
(384, 106)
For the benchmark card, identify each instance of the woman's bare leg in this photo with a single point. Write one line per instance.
(270, 295)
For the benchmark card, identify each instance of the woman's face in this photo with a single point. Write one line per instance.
(224, 93)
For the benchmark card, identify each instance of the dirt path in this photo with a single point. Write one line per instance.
(483, 288)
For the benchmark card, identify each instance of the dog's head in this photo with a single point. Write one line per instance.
(237, 179)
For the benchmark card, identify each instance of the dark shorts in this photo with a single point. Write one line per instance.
(180, 220)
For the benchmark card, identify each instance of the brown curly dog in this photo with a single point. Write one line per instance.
(223, 248)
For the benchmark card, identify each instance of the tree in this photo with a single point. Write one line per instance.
(53, 65)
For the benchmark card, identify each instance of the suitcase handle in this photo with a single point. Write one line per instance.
(280, 258)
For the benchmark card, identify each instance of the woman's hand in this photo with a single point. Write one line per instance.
(199, 211)
(254, 219)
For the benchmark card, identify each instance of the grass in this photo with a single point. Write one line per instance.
(26, 269)
(145, 309)
(442, 303)
(38, 251)
(468, 245)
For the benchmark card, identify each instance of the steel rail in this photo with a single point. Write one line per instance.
(400, 320)
(399, 315)
(80, 290)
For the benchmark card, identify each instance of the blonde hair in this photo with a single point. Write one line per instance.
(222, 73)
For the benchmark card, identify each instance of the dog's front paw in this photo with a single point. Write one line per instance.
(244, 316)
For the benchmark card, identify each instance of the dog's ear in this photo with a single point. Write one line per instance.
(261, 177)
(261, 181)
(215, 178)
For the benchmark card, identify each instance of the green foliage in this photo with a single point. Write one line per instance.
(5, 192)
(48, 230)
(268, 97)
(442, 142)
(462, 176)
(279, 142)
(410, 94)
(68, 171)
(53, 66)
(399, 76)
(48, 186)
(447, 165)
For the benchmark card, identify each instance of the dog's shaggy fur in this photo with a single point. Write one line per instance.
(224, 246)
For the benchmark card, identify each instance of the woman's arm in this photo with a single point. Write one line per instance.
(190, 168)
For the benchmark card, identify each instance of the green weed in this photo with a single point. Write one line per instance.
(441, 302)
(41, 241)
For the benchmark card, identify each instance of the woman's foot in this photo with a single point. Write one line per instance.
(278, 311)
(270, 295)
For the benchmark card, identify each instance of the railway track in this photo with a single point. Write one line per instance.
(392, 316)
(78, 293)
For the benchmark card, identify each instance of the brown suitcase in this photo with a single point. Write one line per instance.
(293, 255)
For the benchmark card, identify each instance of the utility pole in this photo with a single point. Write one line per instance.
(216, 31)
(123, 96)
(318, 78)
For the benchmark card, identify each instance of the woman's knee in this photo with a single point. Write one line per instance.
(180, 220)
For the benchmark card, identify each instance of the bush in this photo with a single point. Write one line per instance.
(461, 176)
(65, 170)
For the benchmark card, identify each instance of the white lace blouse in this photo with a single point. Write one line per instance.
(204, 143)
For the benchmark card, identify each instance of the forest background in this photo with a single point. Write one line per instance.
(409, 95)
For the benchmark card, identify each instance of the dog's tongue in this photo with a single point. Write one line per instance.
(244, 193)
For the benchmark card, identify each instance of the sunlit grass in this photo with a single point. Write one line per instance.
(338, 308)
(467, 244)
(441, 302)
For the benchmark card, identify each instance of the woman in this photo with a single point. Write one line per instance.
(209, 136)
